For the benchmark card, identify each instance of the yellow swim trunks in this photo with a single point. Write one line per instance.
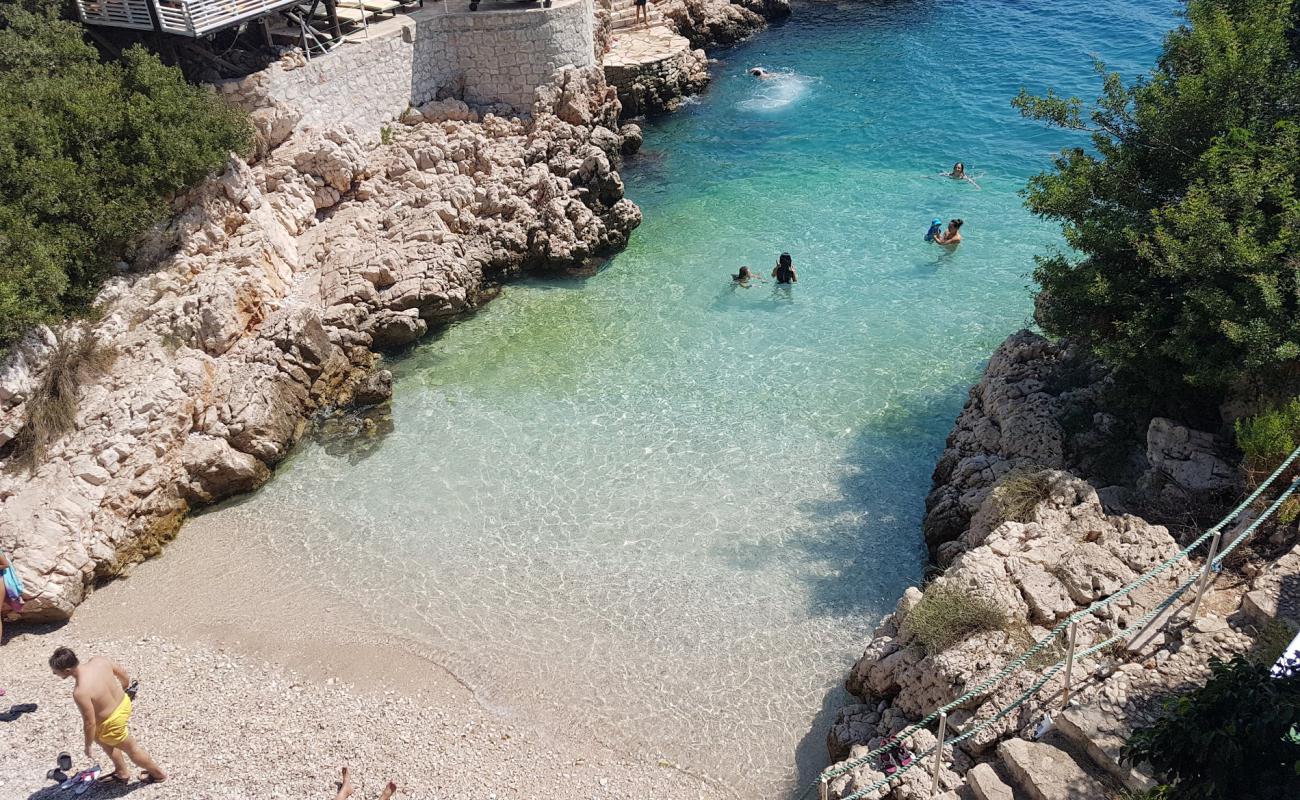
(113, 731)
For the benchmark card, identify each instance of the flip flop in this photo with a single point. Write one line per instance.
(112, 779)
(70, 781)
(89, 779)
(147, 778)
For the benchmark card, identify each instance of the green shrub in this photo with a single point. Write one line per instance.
(1019, 492)
(1289, 511)
(1183, 211)
(1268, 437)
(946, 615)
(1228, 740)
(90, 154)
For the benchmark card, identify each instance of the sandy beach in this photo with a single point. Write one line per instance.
(256, 683)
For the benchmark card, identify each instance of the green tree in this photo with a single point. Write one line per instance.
(1185, 215)
(1231, 739)
(90, 154)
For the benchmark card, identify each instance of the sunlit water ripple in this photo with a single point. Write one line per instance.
(671, 510)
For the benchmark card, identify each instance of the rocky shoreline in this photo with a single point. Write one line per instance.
(1029, 521)
(270, 295)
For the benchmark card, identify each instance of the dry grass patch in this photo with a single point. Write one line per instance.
(946, 615)
(52, 406)
(1020, 491)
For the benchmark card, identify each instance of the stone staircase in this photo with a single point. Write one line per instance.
(623, 15)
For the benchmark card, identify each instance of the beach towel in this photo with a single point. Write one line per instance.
(13, 587)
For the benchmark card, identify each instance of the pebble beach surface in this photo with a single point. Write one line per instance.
(239, 701)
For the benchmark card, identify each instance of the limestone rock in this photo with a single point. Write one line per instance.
(1046, 773)
(216, 470)
(708, 23)
(1102, 737)
(1038, 405)
(986, 785)
(391, 329)
(250, 309)
(1186, 465)
(450, 109)
(375, 388)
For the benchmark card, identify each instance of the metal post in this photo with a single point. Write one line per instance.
(1069, 666)
(938, 753)
(823, 790)
(1205, 575)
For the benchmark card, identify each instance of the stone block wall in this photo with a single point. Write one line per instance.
(497, 54)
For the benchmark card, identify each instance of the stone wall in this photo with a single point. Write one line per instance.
(493, 55)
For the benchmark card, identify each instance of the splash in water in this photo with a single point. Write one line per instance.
(776, 90)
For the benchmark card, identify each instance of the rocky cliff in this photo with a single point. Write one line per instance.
(266, 298)
(1026, 542)
(719, 23)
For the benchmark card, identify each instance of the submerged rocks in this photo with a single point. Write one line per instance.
(266, 295)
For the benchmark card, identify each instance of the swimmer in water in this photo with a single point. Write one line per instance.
(743, 278)
(760, 73)
(784, 270)
(959, 174)
(951, 237)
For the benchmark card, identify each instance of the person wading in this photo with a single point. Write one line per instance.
(784, 270)
(100, 695)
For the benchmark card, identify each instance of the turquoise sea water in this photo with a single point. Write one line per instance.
(669, 510)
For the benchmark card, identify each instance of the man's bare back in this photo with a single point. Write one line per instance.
(100, 694)
(101, 683)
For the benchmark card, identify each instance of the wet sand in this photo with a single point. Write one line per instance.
(257, 682)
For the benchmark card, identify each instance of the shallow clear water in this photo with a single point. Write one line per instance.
(671, 510)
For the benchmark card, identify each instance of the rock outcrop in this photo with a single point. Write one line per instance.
(1037, 546)
(274, 285)
(708, 23)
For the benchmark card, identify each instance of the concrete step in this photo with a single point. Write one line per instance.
(631, 23)
(1046, 772)
(986, 784)
(1102, 737)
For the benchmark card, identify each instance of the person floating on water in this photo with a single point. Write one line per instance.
(760, 73)
(743, 278)
(784, 270)
(936, 228)
(951, 237)
(959, 174)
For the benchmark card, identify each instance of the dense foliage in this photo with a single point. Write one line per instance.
(1186, 213)
(1232, 739)
(1268, 437)
(90, 153)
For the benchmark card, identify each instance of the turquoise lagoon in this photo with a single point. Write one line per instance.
(668, 510)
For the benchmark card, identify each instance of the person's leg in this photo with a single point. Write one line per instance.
(345, 786)
(120, 768)
(389, 791)
(140, 757)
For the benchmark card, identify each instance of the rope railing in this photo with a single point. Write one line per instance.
(844, 767)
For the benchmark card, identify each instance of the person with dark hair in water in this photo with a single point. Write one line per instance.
(784, 270)
(100, 695)
(951, 237)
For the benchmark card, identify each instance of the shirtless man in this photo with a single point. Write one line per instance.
(100, 695)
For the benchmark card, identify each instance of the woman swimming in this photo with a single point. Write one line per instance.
(784, 270)
(951, 237)
(959, 174)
